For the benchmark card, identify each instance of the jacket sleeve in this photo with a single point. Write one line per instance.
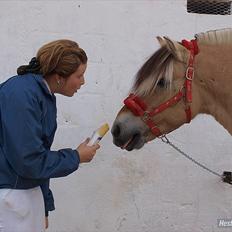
(23, 140)
(48, 197)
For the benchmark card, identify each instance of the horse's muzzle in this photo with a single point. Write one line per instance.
(133, 140)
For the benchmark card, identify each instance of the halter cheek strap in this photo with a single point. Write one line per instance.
(189, 75)
(139, 108)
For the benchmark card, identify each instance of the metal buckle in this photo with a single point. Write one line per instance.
(164, 138)
(187, 76)
(145, 116)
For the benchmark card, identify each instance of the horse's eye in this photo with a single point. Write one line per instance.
(161, 83)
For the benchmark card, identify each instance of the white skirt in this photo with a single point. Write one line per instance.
(22, 210)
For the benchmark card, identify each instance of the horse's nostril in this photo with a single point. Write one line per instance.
(116, 131)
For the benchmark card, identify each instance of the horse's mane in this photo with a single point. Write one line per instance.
(222, 36)
(158, 66)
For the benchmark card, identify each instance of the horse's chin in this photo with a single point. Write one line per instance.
(137, 147)
(135, 142)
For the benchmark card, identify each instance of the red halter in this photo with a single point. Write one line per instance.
(139, 108)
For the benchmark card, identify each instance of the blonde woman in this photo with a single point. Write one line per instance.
(27, 128)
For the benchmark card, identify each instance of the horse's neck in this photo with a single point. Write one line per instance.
(214, 81)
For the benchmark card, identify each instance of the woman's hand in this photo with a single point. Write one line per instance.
(86, 152)
(46, 222)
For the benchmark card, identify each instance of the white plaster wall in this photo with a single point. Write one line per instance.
(151, 190)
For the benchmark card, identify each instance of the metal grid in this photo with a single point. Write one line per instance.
(216, 7)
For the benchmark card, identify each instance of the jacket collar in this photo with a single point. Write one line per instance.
(43, 84)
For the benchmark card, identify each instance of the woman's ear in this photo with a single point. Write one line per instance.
(177, 49)
(59, 79)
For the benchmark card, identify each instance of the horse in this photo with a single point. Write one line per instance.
(178, 82)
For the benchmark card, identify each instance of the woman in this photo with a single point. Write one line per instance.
(27, 128)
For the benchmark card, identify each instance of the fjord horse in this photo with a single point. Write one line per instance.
(179, 81)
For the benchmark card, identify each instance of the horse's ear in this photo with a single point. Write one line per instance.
(161, 41)
(178, 51)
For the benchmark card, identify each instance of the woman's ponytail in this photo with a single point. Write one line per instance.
(32, 67)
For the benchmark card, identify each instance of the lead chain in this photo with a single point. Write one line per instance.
(167, 141)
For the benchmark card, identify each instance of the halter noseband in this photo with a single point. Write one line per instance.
(139, 108)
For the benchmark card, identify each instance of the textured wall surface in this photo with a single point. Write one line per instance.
(151, 190)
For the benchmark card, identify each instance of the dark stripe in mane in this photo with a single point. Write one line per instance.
(154, 69)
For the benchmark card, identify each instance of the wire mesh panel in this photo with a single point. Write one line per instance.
(216, 7)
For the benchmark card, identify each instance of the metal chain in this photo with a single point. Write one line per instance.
(167, 141)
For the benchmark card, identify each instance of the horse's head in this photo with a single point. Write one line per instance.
(161, 96)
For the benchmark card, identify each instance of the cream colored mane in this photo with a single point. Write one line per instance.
(223, 36)
(160, 64)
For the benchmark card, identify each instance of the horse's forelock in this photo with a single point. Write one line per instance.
(158, 66)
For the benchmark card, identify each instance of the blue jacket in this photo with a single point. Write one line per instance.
(27, 129)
